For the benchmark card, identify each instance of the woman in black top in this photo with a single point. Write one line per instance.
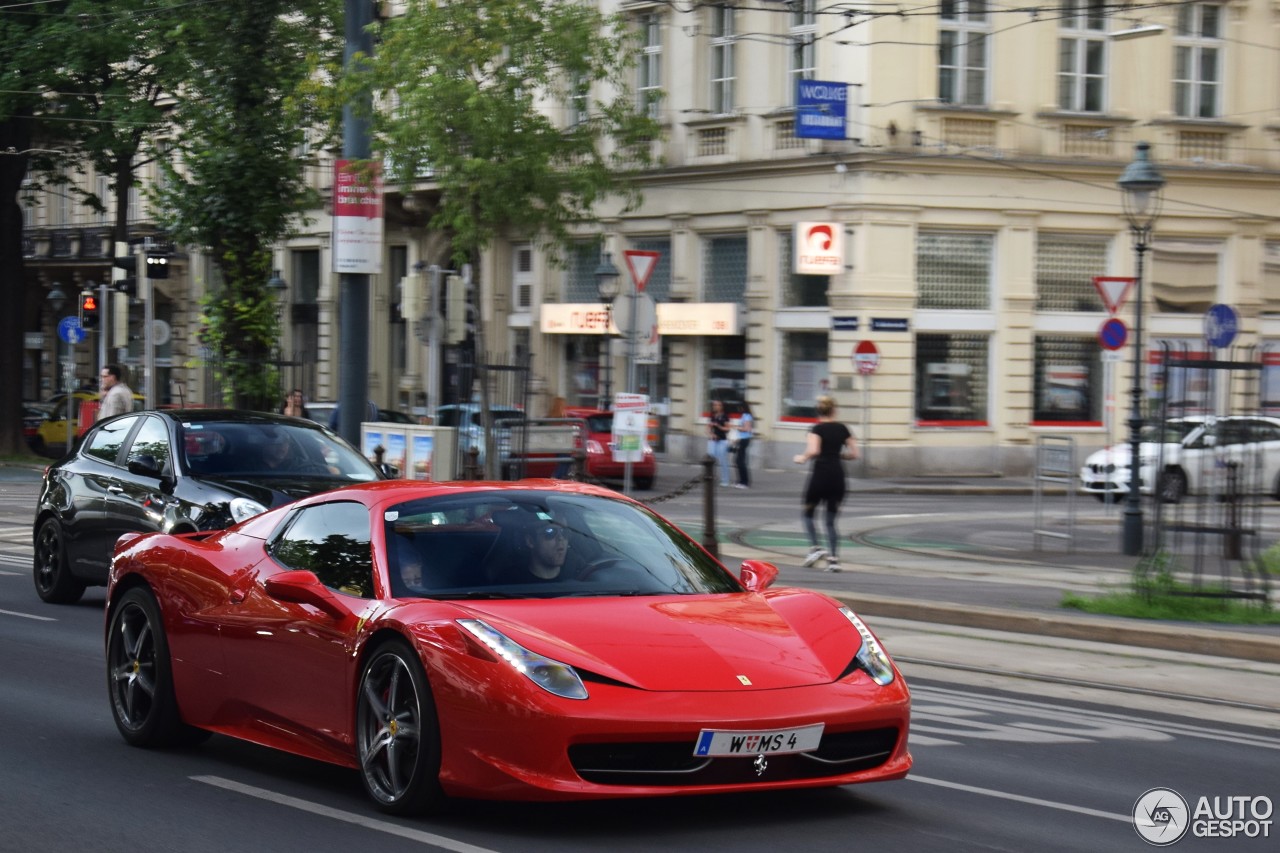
(828, 443)
(718, 439)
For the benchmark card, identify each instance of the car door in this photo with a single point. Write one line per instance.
(292, 661)
(136, 502)
(99, 472)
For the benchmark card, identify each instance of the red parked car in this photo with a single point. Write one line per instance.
(497, 641)
(600, 464)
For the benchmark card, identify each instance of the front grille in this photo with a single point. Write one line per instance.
(673, 763)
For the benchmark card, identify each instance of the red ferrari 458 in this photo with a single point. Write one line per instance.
(498, 641)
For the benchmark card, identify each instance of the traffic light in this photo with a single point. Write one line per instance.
(458, 319)
(124, 269)
(88, 310)
(157, 266)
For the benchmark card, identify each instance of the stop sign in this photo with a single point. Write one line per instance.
(866, 357)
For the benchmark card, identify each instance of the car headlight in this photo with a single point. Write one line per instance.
(243, 508)
(551, 675)
(871, 657)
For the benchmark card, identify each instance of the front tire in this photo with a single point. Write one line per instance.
(140, 675)
(397, 733)
(54, 582)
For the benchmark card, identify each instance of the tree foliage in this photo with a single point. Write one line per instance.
(520, 111)
(235, 182)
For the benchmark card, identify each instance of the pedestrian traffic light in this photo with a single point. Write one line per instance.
(88, 310)
(128, 286)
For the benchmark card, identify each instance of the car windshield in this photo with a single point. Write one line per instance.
(1169, 432)
(541, 544)
(600, 423)
(231, 448)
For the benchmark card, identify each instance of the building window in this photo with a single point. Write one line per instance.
(805, 374)
(1068, 380)
(522, 277)
(726, 372)
(951, 379)
(1197, 61)
(581, 260)
(722, 59)
(798, 291)
(649, 64)
(579, 102)
(1082, 57)
(954, 270)
(803, 30)
(659, 285)
(1271, 277)
(1065, 267)
(724, 268)
(1184, 275)
(962, 52)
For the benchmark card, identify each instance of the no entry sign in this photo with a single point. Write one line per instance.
(866, 357)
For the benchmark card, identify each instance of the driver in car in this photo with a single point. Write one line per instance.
(548, 546)
(277, 453)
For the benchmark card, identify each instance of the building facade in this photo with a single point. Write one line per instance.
(973, 198)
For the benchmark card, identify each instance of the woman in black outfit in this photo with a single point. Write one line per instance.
(828, 443)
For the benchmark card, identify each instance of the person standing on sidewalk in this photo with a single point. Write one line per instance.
(718, 439)
(746, 429)
(828, 444)
(117, 398)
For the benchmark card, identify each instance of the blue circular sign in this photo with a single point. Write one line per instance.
(1113, 334)
(70, 330)
(1221, 324)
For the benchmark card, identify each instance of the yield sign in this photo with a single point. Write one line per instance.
(1114, 290)
(641, 264)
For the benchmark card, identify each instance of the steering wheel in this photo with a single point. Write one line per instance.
(599, 563)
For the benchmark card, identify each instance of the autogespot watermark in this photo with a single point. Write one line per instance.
(1161, 816)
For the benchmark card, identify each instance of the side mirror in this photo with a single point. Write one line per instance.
(145, 465)
(757, 575)
(303, 587)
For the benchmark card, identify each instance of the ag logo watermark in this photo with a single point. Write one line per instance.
(1161, 816)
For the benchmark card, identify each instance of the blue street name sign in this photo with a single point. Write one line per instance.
(821, 109)
(888, 324)
(70, 330)
(1221, 325)
(844, 324)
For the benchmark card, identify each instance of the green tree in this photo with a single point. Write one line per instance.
(29, 35)
(520, 113)
(236, 181)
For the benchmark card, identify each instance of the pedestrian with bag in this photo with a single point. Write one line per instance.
(746, 431)
(829, 443)
(718, 439)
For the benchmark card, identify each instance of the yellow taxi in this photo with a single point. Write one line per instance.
(51, 436)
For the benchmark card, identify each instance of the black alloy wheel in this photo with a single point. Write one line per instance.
(397, 734)
(54, 582)
(140, 675)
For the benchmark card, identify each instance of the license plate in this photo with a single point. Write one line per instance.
(721, 742)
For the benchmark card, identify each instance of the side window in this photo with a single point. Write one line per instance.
(332, 540)
(106, 442)
(152, 440)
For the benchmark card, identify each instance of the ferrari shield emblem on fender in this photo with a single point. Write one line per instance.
(746, 682)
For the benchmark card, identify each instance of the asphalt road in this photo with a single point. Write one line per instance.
(1001, 764)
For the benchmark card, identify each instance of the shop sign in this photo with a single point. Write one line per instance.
(819, 248)
(674, 318)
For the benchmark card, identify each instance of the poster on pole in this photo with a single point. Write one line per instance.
(357, 216)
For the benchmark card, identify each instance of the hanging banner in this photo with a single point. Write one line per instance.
(357, 216)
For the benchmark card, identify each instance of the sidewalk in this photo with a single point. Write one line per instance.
(998, 578)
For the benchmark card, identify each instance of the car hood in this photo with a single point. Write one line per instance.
(273, 491)
(740, 641)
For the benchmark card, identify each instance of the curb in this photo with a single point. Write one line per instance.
(1180, 639)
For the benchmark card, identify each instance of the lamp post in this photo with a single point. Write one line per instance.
(279, 289)
(1140, 184)
(607, 283)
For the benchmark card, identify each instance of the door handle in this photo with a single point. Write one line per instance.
(116, 490)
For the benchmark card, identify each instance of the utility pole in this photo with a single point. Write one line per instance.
(353, 288)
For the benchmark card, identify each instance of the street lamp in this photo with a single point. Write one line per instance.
(1140, 184)
(608, 281)
(279, 289)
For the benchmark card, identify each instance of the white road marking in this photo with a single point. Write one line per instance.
(27, 616)
(337, 814)
(1018, 798)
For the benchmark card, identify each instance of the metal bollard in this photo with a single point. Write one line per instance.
(709, 506)
(1231, 543)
